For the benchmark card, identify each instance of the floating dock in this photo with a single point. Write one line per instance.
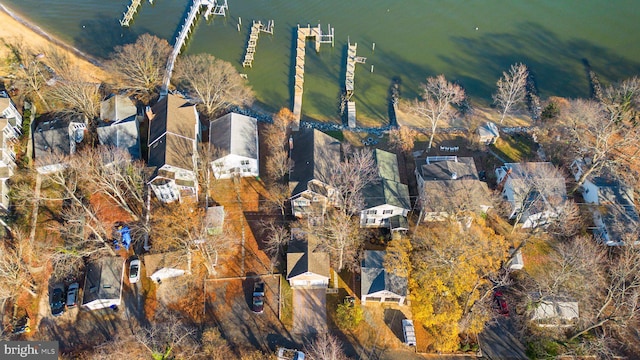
(320, 38)
(214, 7)
(256, 28)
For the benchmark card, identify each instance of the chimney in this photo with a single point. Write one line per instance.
(290, 143)
(454, 175)
(149, 113)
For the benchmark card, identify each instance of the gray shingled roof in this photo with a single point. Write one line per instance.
(304, 256)
(454, 195)
(375, 278)
(235, 134)
(117, 108)
(314, 154)
(463, 168)
(51, 137)
(123, 135)
(103, 279)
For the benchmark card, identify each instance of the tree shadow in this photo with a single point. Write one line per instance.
(557, 63)
(101, 34)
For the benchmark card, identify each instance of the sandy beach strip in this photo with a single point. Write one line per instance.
(17, 28)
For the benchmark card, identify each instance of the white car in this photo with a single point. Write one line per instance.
(134, 271)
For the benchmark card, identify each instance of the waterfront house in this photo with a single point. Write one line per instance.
(119, 126)
(387, 197)
(174, 132)
(54, 140)
(233, 143)
(535, 191)
(612, 206)
(449, 186)
(10, 129)
(313, 154)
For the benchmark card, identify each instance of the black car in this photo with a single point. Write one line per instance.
(57, 301)
(258, 297)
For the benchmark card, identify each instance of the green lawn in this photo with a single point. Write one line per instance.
(515, 148)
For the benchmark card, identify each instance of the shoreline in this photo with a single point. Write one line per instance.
(36, 37)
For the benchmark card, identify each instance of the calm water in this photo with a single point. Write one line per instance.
(414, 39)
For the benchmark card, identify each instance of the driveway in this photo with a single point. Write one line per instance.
(309, 311)
(497, 342)
(228, 306)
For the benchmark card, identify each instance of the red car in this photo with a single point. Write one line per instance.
(501, 303)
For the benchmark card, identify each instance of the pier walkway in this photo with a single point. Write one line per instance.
(256, 28)
(215, 7)
(320, 38)
(131, 12)
(349, 78)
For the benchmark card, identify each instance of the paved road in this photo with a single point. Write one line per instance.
(497, 342)
(309, 311)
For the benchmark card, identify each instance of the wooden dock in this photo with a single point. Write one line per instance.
(302, 35)
(349, 80)
(215, 7)
(131, 12)
(256, 28)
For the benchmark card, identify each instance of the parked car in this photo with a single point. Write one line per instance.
(72, 295)
(20, 323)
(57, 300)
(289, 354)
(134, 271)
(258, 297)
(500, 303)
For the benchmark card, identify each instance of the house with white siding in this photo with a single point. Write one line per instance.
(174, 132)
(307, 265)
(54, 140)
(387, 197)
(612, 205)
(314, 155)
(103, 283)
(535, 191)
(233, 143)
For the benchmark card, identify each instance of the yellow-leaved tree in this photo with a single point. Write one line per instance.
(451, 262)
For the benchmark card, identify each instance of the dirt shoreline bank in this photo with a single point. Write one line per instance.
(16, 27)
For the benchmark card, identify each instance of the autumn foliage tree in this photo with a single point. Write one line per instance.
(403, 138)
(451, 267)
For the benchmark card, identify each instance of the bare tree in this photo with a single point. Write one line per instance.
(325, 347)
(617, 304)
(14, 272)
(348, 178)
(511, 89)
(31, 74)
(436, 103)
(341, 236)
(213, 82)
(598, 135)
(184, 227)
(622, 100)
(276, 236)
(140, 66)
(76, 96)
(168, 339)
(113, 173)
